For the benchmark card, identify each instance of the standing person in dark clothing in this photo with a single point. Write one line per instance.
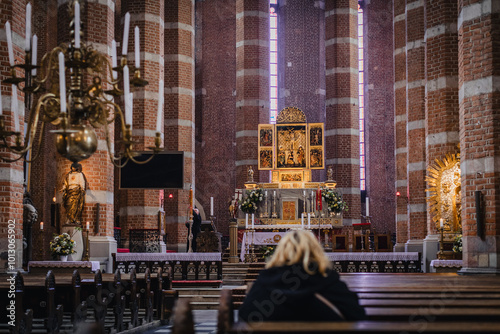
(196, 229)
(299, 285)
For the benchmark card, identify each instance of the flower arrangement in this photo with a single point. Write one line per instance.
(267, 251)
(62, 244)
(334, 201)
(457, 244)
(249, 204)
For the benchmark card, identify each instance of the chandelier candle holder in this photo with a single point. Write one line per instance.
(78, 106)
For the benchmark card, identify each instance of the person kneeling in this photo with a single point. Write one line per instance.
(299, 284)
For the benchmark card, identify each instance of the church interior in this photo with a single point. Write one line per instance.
(167, 146)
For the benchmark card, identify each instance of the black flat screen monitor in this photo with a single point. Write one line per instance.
(164, 171)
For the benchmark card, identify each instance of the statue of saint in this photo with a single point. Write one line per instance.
(329, 174)
(250, 174)
(75, 186)
(233, 207)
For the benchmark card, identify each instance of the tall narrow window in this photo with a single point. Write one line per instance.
(362, 160)
(273, 61)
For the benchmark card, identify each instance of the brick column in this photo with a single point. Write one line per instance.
(215, 84)
(98, 29)
(401, 147)
(415, 126)
(441, 107)
(179, 110)
(379, 118)
(139, 208)
(342, 112)
(301, 43)
(479, 86)
(11, 174)
(252, 83)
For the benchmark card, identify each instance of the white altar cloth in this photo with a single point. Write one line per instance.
(447, 263)
(168, 257)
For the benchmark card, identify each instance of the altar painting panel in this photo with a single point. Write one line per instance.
(316, 140)
(292, 147)
(289, 210)
(265, 158)
(266, 135)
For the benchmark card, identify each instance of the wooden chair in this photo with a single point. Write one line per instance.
(339, 243)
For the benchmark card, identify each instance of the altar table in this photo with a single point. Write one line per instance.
(446, 266)
(59, 266)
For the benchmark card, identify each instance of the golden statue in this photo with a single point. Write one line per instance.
(74, 189)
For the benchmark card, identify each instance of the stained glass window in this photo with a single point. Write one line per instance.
(273, 61)
(361, 102)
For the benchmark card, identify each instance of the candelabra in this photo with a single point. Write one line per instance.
(86, 257)
(440, 254)
(78, 110)
(274, 214)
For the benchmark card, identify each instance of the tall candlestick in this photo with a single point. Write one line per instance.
(8, 32)
(15, 108)
(246, 221)
(159, 116)
(308, 220)
(367, 206)
(41, 226)
(302, 219)
(88, 226)
(441, 222)
(126, 28)
(34, 54)
(211, 206)
(62, 82)
(253, 218)
(77, 25)
(27, 37)
(137, 47)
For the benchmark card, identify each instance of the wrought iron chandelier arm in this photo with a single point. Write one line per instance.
(49, 63)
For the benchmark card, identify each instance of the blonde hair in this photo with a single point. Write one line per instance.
(300, 247)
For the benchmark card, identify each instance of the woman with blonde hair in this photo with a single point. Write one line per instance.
(299, 284)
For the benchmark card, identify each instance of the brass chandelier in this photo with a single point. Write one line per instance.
(80, 108)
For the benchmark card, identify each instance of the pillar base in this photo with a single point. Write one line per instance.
(399, 247)
(430, 249)
(101, 248)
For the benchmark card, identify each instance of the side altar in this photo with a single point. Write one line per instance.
(290, 150)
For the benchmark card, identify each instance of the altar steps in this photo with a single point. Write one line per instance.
(234, 273)
(202, 298)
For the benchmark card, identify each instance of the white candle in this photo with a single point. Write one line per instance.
(137, 47)
(302, 219)
(62, 82)
(27, 37)
(34, 54)
(253, 218)
(274, 193)
(114, 59)
(77, 25)
(88, 225)
(367, 206)
(41, 226)
(126, 28)
(15, 108)
(211, 206)
(246, 221)
(126, 96)
(441, 222)
(304, 193)
(8, 32)
(159, 116)
(308, 220)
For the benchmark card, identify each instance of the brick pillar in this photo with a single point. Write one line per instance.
(342, 112)
(441, 104)
(139, 208)
(415, 113)
(43, 172)
(252, 83)
(401, 147)
(98, 29)
(179, 110)
(11, 174)
(379, 118)
(301, 44)
(215, 130)
(479, 86)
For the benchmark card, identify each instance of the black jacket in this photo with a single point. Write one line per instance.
(288, 294)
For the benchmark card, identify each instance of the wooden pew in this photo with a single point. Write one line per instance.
(53, 321)
(119, 305)
(24, 320)
(79, 314)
